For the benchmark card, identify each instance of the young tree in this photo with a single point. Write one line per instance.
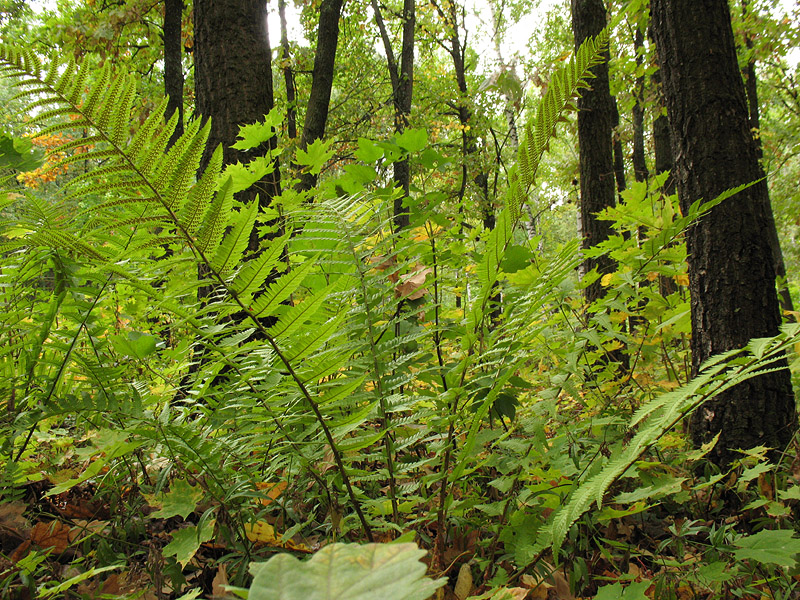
(402, 78)
(731, 265)
(596, 113)
(320, 97)
(173, 65)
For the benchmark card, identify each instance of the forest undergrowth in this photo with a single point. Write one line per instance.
(341, 410)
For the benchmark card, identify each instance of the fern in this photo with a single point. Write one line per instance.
(657, 417)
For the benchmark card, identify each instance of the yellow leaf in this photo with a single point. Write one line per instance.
(273, 490)
(682, 279)
(652, 276)
(607, 279)
(261, 532)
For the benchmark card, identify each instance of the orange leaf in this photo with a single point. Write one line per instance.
(273, 490)
(54, 534)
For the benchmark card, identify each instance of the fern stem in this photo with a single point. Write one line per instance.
(385, 422)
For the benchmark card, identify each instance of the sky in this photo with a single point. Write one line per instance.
(515, 40)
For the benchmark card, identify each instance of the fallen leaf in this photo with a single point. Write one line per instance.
(12, 523)
(54, 534)
(219, 582)
(273, 491)
(464, 582)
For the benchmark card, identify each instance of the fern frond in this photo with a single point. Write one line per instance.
(191, 214)
(299, 314)
(255, 272)
(216, 218)
(230, 252)
(658, 417)
(281, 289)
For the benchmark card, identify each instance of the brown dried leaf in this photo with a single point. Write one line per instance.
(464, 582)
(219, 582)
(412, 287)
(54, 534)
(273, 490)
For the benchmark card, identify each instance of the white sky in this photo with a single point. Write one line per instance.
(478, 10)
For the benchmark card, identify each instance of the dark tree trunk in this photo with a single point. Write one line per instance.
(288, 75)
(233, 82)
(320, 97)
(173, 65)
(751, 89)
(402, 79)
(640, 172)
(596, 110)
(731, 271)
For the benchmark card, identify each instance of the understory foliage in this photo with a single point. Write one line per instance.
(328, 387)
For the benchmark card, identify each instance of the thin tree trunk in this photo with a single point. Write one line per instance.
(320, 97)
(173, 65)
(640, 172)
(751, 89)
(288, 75)
(595, 123)
(402, 79)
(731, 270)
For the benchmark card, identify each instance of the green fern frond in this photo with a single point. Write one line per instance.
(230, 252)
(655, 419)
(184, 159)
(281, 289)
(256, 271)
(216, 218)
(191, 214)
(299, 314)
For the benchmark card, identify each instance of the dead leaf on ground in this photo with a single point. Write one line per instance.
(54, 534)
(273, 491)
(219, 582)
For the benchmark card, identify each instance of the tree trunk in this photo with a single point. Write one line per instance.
(640, 172)
(751, 89)
(288, 75)
(233, 82)
(731, 270)
(173, 65)
(595, 123)
(402, 79)
(320, 97)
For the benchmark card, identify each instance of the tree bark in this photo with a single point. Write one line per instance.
(402, 78)
(596, 110)
(173, 64)
(320, 97)
(640, 172)
(288, 75)
(731, 266)
(233, 82)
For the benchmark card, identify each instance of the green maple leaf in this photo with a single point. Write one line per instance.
(181, 499)
(186, 541)
(315, 156)
(778, 547)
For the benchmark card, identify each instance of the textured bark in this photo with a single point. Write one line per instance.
(731, 271)
(320, 97)
(288, 75)
(233, 82)
(173, 67)
(596, 111)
